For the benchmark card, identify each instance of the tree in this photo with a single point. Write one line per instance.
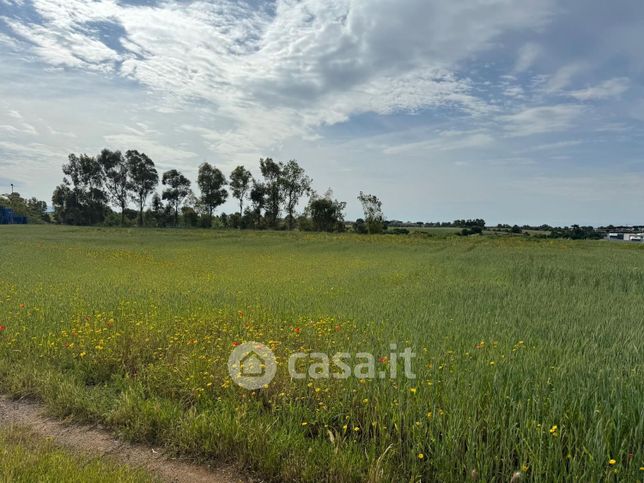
(33, 209)
(258, 200)
(211, 182)
(240, 184)
(157, 210)
(117, 184)
(295, 184)
(326, 213)
(84, 177)
(67, 209)
(272, 173)
(359, 226)
(178, 189)
(36, 208)
(372, 208)
(143, 176)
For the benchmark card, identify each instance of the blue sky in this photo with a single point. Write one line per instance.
(516, 111)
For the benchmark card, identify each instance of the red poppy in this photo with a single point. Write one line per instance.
(2, 328)
(235, 344)
(383, 359)
(297, 330)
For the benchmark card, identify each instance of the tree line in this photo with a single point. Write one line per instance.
(33, 209)
(93, 185)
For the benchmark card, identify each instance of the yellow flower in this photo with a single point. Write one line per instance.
(412, 390)
(553, 430)
(365, 401)
(611, 461)
(421, 456)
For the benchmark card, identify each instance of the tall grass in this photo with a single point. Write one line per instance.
(529, 353)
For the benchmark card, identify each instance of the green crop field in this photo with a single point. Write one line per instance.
(528, 352)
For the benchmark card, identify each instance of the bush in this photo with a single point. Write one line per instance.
(397, 231)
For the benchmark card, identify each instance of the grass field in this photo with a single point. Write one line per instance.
(26, 457)
(529, 352)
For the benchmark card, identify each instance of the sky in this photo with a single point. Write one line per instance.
(515, 111)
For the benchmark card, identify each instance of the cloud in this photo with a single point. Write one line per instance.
(16, 124)
(564, 76)
(282, 69)
(610, 88)
(542, 119)
(445, 141)
(528, 54)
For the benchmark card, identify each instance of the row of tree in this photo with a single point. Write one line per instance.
(94, 184)
(33, 209)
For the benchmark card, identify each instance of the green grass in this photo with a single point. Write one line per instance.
(529, 351)
(27, 457)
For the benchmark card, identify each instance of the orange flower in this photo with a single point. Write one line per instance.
(297, 330)
(22, 306)
(235, 344)
(2, 328)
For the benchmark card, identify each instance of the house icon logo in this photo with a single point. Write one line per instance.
(252, 365)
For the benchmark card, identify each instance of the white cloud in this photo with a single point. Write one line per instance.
(542, 119)
(15, 124)
(445, 141)
(528, 54)
(270, 74)
(564, 76)
(610, 88)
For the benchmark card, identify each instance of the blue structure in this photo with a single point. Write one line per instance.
(8, 217)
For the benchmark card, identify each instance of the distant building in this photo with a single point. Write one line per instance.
(629, 236)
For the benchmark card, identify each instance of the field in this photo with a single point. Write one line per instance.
(26, 457)
(529, 352)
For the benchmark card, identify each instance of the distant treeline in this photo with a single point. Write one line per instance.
(99, 189)
(35, 210)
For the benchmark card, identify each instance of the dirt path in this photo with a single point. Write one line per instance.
(95, 441)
